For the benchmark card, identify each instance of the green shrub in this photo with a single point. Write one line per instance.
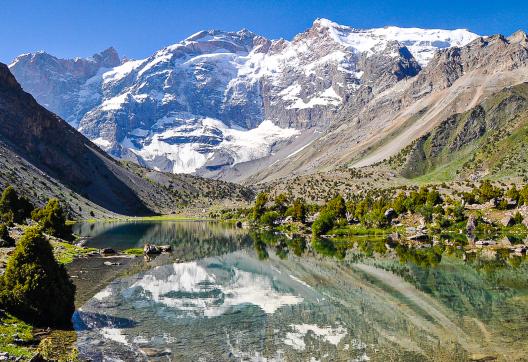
(19, 207)
(5, 239)
(34, 287)
(52, 219)
(487, 192)
(323, 223)
(269, 218)
(375, 218)
(517, 218)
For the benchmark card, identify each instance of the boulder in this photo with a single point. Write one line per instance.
(484, 242)
(107, 251)
(110, 263)
(505, 241)
(394, 236)
(471, 224)
(165, 248)
(519, 249)
(507, 221)
(390, 214)
(149, 249)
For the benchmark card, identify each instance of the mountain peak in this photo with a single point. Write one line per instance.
(422, 43)
(518, 37)
(107, 58)
(326, 23)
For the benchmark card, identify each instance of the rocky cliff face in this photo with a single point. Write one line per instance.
(372, 129)
(219, 99)
(58, 150)
(61, 85)
(43, 156)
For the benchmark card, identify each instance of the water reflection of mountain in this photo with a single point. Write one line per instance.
(286, 298)
(242, 307)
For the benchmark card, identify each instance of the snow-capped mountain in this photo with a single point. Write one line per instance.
(59, 84)
(221, 98)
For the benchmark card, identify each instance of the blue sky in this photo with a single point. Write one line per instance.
(137, 28)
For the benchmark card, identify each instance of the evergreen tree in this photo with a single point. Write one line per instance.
(5, 239)
(299, 210)
(337, 206)
(34, 286)
(52, 219)
(280, 203)
(260, 205)
(11, 204)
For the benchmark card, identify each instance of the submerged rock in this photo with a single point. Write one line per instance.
(107, 251)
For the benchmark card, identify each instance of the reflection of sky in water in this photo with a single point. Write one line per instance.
(173, 302)
(191, 289)
(237, 307)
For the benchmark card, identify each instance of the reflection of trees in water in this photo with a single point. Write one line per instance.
(188, 239)
(461, 286)
(281, 243)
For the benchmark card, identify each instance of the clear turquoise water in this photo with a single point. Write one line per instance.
(240, 296)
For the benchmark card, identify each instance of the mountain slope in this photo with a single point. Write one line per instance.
(454, 81)
(45, 150)
(489, 139)
(222, 99)
(61, 85)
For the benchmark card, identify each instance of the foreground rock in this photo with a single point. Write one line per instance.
(150, 249)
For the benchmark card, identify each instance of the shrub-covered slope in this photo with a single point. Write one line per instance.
(489, 139)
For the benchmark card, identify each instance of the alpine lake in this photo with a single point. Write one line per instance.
(229, 294)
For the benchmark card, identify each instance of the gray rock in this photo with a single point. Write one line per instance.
(107, 251)
(150, 249)
(507, 221)
(390, 214)
(471, 224)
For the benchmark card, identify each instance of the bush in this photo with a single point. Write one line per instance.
(323, 223)
(19, 207)
(517, 218)
(337, 206)
(375, 218)
(269, 218)
(52, 219)
(34, 287)
(487, 192)
(5, 239)
(260, 205)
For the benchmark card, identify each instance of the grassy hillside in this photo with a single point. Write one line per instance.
(489, 140)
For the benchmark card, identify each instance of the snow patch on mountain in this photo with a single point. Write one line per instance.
(183, 146)
(422, 43)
